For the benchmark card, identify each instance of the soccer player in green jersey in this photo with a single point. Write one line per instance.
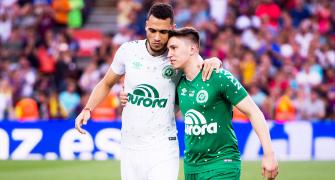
(211, 150)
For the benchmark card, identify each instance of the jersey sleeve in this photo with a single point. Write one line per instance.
(118, 64)
(230, 88)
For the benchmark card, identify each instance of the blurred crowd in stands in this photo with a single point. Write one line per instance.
(282, 51)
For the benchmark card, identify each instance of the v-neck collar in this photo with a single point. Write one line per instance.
(195, 78)
(164, 54)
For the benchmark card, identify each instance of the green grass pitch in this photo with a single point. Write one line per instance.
(110, 170)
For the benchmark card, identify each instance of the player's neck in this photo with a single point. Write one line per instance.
(152, 52)
(193, 67)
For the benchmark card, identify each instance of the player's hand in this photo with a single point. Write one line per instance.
(82, 119)
(270, 168)
(123, 97)
(209, 66)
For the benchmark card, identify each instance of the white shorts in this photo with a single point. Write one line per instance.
(157, 163)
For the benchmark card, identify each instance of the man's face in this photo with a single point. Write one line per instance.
(179, 52)
(157, 32)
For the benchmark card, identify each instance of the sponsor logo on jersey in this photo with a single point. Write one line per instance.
(183, 91)
(147, 96)
(196, 124)
(168, 72)
(232, 79)
(202, 97)
(191, 93)
(137, 65)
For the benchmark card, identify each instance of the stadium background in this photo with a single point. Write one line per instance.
(53, 52)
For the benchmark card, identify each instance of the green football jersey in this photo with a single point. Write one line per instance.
(210, 139)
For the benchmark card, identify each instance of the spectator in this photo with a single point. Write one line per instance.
(248, 68)
(13, 47)
(6, 104)
(7, 5)
(31, 41)
(61, 12)
(269, 105)
(65, 67)
(284, 109)
(308, 78)
(24, 78)
(124, 35)
(43, 105)
(105, 50)
(57, 111)
(45, 60)
(5, 68)
(323, 13)
(315, 107)
(107, 109)
(299, 13)
(75, 16)
(90, 77)
(125, 9)
(239, 116)
(280, 81)
(26, 109)
(329, 80)
(26, 17)
(218, 10)
(326, 55)
(330, 106)
(69, 99)
(44, 17)
(300, 100)
(257, 95)
(182, 13)
(304, 37)
(269, 12)
(5, 26)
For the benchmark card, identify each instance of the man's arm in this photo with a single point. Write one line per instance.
(269, 162)
(99, 92)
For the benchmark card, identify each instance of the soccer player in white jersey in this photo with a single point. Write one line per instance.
(149, 142)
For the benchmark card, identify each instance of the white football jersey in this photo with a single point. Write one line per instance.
(149, 117)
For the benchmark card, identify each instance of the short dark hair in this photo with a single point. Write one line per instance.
(187, 32)
(161, 11)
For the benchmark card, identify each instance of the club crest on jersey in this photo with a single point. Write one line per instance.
(202, 97)
(168, 72)
(147, 96)
(196, 124)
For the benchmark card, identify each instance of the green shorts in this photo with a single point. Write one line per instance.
(232, 173)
